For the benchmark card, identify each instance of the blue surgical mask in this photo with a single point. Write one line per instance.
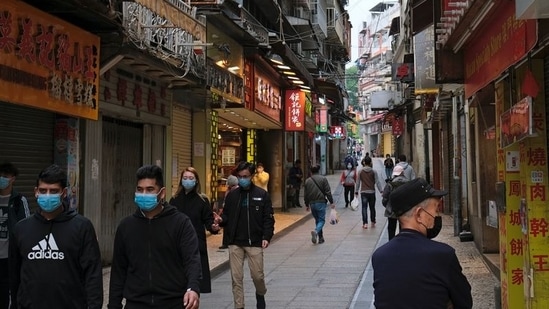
(244, 182)
(49, 202)
(4, 182)
(146, 201)
(188, 183)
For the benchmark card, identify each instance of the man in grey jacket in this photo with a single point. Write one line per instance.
(409, 172)
(368, 180)
(317, 190)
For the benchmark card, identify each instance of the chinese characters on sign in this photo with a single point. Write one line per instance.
(295, 110)
(46, 62)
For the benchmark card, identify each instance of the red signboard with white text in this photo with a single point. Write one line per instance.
(501, 42)
(295, 110)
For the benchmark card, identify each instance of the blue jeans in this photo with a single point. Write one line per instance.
(389, 172)
(368, 201)
(319, 213)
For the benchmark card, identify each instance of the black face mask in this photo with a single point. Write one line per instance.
(435, 230)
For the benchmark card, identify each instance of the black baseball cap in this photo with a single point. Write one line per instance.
(410, 194)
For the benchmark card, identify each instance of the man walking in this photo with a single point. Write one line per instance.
(248, 219)
(317, 191)
(54, 255)
(295, 179)
(13, 208)
(368, 180)
(156, 262)
(413, 271)
(409, 172)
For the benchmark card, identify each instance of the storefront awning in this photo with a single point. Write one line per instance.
(291, 59)
(374, 118)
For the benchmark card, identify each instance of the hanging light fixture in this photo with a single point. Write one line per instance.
(275, 58)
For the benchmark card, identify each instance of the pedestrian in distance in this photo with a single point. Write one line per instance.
(261, 178)
(317, 192)
(156, 261)
(398, 179)
(348, 181)
(232, 183)
(13, 208)
(409, 172)
(248, 218)
(389, 165)
(54, 255)
(295, 177)
(368, 180)
(189, 200)
(413, 271)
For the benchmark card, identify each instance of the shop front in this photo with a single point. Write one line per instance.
(252, 130)
(48, 83)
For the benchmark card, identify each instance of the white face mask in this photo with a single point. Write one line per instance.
(349, 166)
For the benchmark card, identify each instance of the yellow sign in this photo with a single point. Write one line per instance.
(47, 63)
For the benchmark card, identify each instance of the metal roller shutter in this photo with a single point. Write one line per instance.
(26, 140)
(182, 142)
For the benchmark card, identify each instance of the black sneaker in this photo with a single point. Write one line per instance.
(260, 301)
(313, 237)
(320, 240)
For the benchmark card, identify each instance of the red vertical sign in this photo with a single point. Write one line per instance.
(398, 126)
(295, 110)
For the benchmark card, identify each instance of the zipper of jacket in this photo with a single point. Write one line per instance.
(149, 259)
(248, 218)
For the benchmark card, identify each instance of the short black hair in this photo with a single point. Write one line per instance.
(402, 158)
(315, 169)
(53, 174)
(151, 172)
(297, 161)
(8, 168)
(245, 166)
(367, 161)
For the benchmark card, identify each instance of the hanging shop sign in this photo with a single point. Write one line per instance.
(322, 120)
(504, 41)
(338, 132)
(398, 126)
(47, 63)
(295, 110)
(516, 122)
(424, 61)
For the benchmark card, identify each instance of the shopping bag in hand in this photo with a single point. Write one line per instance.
(334, 217)
(354, 204)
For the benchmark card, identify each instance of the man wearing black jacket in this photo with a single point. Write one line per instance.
(13, 208)
(156, 262)
(249, 219)
(54, 255)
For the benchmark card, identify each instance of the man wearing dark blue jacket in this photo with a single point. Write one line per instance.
(156, 262)
(248, 218)
(54, 255)
(412, 271)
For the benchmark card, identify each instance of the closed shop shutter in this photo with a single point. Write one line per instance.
(26, 140)
(182, 142)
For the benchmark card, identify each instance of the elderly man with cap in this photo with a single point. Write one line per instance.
(413, 271)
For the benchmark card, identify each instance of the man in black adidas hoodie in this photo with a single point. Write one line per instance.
(156, 262)
(54, 255)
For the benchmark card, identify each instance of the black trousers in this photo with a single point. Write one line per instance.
(391, 227)
(349, 192)
(4, 284)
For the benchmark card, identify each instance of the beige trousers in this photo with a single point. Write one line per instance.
(237, 254)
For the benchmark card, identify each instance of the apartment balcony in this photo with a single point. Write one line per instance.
(300, 18)
(228, 15)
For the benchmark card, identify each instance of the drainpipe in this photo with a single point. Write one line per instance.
(456, 196)
(469, 167)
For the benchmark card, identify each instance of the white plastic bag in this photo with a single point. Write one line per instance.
(334, 217)
(354, 204)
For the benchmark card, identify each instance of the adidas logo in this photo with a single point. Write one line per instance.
(46, 249)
